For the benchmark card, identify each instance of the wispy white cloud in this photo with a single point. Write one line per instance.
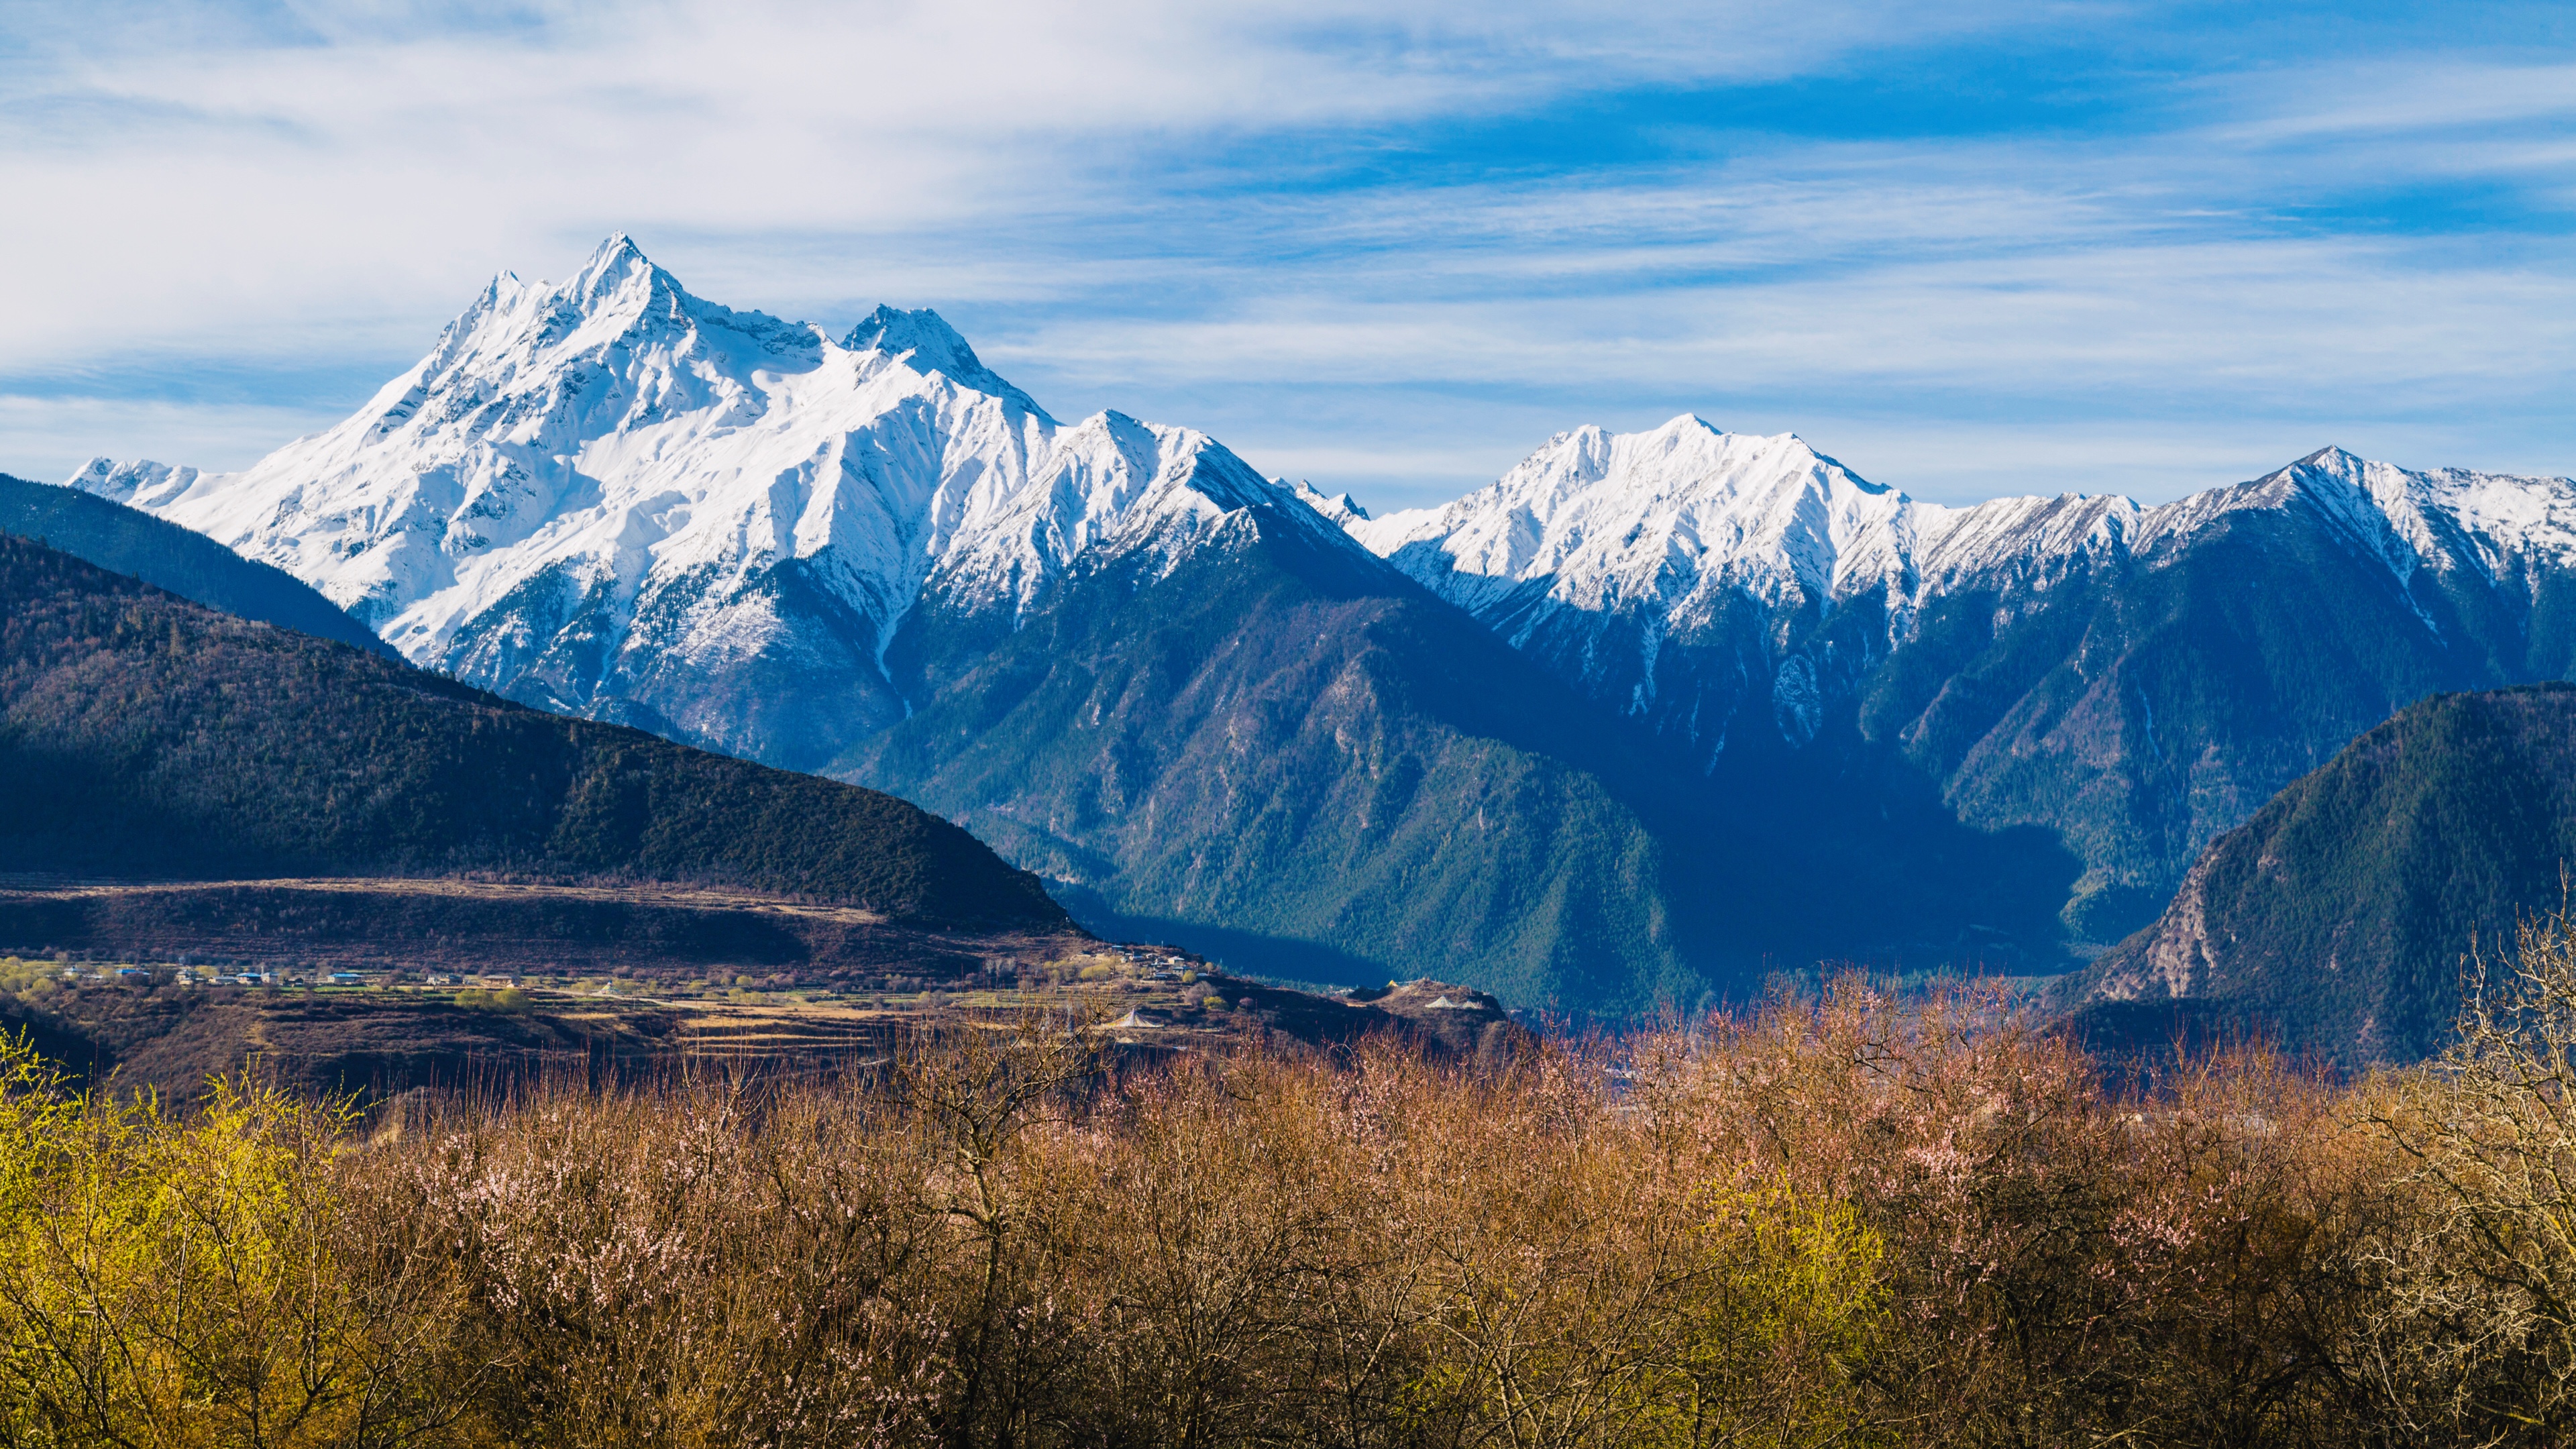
(1222, 216)
(204, 185)
(2399, 97)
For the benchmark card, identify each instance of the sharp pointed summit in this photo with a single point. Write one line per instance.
(925, 341)
(610, 496)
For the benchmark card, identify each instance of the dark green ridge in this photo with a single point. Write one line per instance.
(141, 734)
(2335, 921)
(163, 554)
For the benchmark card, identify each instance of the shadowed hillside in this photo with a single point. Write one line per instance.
(2337, 917)
(1316, 770)
(187, 563)
(142, 734)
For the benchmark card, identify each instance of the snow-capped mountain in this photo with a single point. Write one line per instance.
(613, 497)
(2134, 678)
(1588, 721)
(1614, 555)
(1671, 519)
(1605, 554)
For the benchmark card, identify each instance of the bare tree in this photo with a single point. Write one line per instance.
(2476, 1326)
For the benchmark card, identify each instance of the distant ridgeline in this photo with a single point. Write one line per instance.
(187, 563)
(141, 733)
(2335, 920)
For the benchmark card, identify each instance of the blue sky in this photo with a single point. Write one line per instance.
(1968, 249)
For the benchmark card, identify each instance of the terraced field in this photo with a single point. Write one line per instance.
(144, 1021)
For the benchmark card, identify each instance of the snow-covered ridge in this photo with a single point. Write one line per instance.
(611, 491)
(141, 483)
(1667, 521)
(1665, 518)
(614, 466)
(1684, 573)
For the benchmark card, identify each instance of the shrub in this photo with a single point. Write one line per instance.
(1839, 1220)
(2476, 1323)
(192, 1283)
(508, 998)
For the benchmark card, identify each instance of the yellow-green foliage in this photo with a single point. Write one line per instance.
(1098, 971)
(508, 998)
(175, 1283)
(1785, 1306)
(29, 981)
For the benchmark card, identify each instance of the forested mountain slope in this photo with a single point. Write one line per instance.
(2336, 919)
(141, 733)
(187, 563)
(1300, 766)
(1300, 763)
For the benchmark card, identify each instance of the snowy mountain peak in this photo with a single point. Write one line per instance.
(605, 495)
(140, 483)
(1668, 518)
(924, 340)
(1340, 508)
(2445, 518)
(618, 263)
(616, 249)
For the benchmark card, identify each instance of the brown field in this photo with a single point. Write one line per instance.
(618, 978)
(696, 898)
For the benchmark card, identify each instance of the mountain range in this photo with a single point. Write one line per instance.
(1651, 715)
(2136, 679)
